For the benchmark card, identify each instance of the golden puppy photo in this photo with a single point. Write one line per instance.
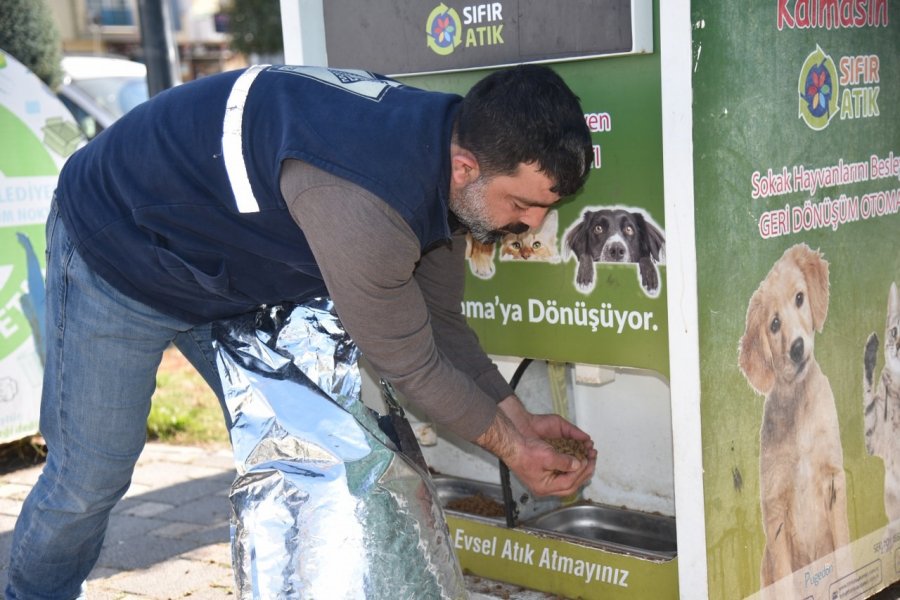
(802, 483)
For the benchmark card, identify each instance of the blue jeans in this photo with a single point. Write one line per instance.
(103, 351)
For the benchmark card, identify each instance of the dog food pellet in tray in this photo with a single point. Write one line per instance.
(477, 504)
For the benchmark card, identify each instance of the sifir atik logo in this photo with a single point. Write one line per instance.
(481, 25)
(444, 30)
(818, 88)
(848, 89)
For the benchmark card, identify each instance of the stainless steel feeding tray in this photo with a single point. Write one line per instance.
(457, 488)
(621, 530)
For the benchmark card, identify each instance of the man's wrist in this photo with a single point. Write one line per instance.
(516, 412)
(500, 438)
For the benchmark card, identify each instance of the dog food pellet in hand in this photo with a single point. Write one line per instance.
(569, 446)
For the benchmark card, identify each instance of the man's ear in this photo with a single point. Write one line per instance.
(463, 166)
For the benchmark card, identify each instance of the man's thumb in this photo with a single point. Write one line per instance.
(565, 463)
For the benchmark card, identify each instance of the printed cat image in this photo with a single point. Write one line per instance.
(881, 404)
(537, 245)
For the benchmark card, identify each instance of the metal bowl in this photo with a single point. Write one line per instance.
(615, 529)
(622, 530)
(453, 488)
(457, 488)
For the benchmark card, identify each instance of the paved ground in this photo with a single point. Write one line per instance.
(168, 538)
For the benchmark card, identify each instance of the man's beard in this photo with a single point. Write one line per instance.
(470, 207)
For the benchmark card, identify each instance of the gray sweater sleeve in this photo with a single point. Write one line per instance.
(441, 277)
(390, 304)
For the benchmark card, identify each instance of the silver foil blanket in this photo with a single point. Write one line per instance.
(323, 505)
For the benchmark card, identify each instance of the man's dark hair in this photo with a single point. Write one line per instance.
(526, 114)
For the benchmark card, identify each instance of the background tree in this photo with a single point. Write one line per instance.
(28, 33)
(255, 26)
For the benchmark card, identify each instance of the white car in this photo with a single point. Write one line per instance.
(100, 89)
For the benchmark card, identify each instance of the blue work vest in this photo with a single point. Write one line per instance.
(178, 203)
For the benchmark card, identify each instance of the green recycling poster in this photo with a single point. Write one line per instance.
(796, 147)
(589, 286)
(37, 134)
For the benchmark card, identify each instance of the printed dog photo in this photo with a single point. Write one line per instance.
(881, 404)
(535, 245)
(801, 464)
(615, 235)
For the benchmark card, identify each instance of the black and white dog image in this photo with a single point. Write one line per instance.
(615, 235)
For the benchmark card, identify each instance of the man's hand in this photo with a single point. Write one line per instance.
(518, 438)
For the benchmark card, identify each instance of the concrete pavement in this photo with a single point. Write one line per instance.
(169, 537)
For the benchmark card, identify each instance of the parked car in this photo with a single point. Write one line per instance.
(100, 89)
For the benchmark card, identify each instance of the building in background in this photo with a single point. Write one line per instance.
(113, 27)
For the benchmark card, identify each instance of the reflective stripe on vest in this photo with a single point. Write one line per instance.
(232, 137)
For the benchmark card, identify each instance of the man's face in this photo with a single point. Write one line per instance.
(493, 207)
